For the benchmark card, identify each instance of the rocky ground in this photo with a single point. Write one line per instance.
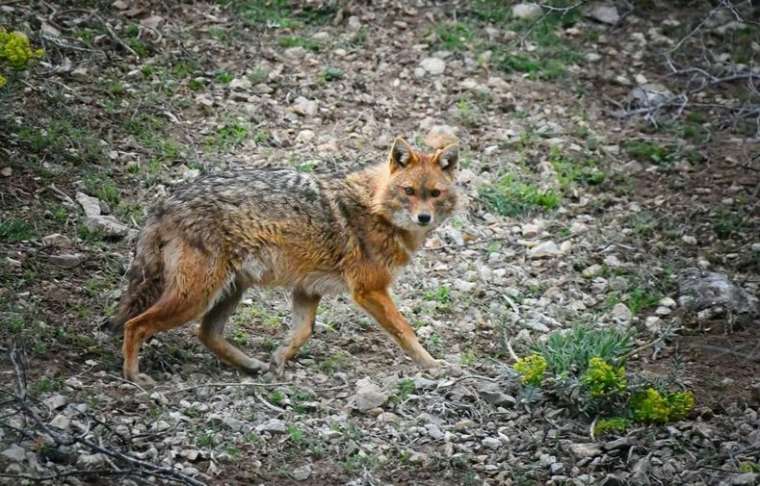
(611, 177)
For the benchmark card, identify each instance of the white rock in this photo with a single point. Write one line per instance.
(593, 57)
(526, 11)
(612, 261)
(607, 14)
(491, 443)
(295, 53)
(663, 311)
(440, 136)
(55, 402)
(6, 171)
(301, 473)
(108, 225)
(304, 106)
(592, 271)
(433, 66)
(621, 313)
(305, 136)
(531, 230)
(96, 459)
(56, 239)
(240, 84)
(435, 432)
(152, 22)
(14, 453)
(653, 324)
(585, 450)
(91, 205)
(272, 425)
(368, 396)
(689, 240)
(546, 249)
(61, 421)
(354, 23)
(667, 302)
(67, 260)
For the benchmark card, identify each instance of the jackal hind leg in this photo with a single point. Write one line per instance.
(212, 334)
(304, 315)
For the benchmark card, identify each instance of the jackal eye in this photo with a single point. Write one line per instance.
(409, 191)
(435, 193)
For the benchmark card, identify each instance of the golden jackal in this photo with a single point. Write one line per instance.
(203, 246)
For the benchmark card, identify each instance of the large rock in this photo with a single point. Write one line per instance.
(14, 453)
(368, 396)
(272, 425)
(305, 107)
(106, 224)
(605, 13)
(699, 290)
(648, 95)
(433, 66)
(526, 11)
(546, 249)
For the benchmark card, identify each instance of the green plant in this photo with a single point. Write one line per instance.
(569, 353)
(495, 11)
(651, 406)
(230, 135)
(104, 188)
(332, 74)
(510, 197)
(611, 425)
(640, 299)
(532, 368)
(16, 52)
(571, 170)
(727, 223)
(442, 295)
(224, 77)
(602, 379)
(404, 388)
(282, 13)
(648, 151)
(453, 36)
(277, 397)
(298, 41)
(295, 434)
(13, 229)
(205, 439)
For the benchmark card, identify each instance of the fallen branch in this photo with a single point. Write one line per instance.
(61, 438)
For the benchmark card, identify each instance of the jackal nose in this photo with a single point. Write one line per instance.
(423, 218)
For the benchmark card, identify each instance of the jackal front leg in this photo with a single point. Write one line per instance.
(378, 304)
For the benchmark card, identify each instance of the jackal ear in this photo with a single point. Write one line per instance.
(448, 157)
(401, 154)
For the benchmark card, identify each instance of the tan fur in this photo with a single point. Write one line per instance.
(203, 246)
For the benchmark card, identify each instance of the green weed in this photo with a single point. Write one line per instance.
(572, 171)
(648, 151)
(298, 41)
(569, 353)
(532, 369)
(332, 74)
(611, 425)
(14, 229)
(453, 36)
(510, 197)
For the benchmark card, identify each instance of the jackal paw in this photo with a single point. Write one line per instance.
(255, 367)
(444, 369)
(279, 358)
(142, 380)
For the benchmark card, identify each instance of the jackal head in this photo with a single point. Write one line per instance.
(418, 193)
